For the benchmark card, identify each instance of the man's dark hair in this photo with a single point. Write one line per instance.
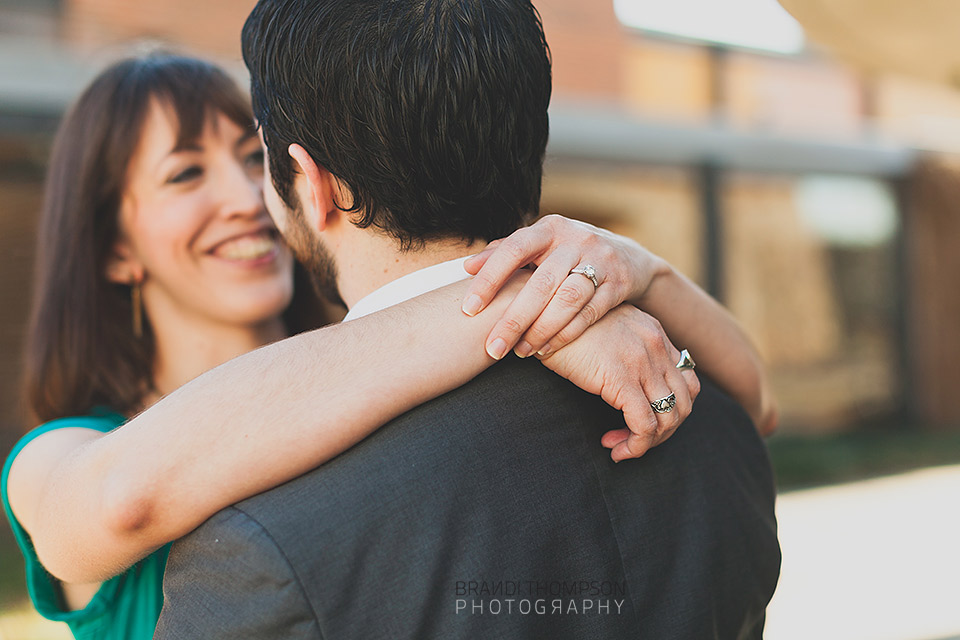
(432, 112)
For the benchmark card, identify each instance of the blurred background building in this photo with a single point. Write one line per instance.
(785, 183)
(815, 199)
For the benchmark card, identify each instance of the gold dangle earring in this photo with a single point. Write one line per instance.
(137, 305)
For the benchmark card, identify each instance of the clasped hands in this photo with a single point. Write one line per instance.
(590, 335)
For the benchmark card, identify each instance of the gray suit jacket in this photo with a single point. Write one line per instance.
(493, 512)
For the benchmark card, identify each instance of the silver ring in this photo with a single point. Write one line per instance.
(664, 405)
(588, 271)
(685, 361)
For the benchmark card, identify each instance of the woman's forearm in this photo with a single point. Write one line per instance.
(695, 321)
(252, 424)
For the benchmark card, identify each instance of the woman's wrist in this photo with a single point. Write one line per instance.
(653, 277)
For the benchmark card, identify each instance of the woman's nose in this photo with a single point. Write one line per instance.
(242, 193)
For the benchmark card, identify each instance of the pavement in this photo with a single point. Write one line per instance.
(871, 560)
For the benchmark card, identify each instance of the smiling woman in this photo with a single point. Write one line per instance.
(196, 238)
(156, 261)
(173, 171)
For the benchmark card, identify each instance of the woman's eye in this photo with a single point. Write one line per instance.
(254, 160)
(187, 174)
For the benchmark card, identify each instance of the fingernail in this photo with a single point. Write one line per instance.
(497, 349)
(545, 350)
(523, 349)
(471, 306)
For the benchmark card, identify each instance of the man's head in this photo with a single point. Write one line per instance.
(425, 119)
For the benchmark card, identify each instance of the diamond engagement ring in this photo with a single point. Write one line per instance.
(588, 271)
(685, 361)
(664, 405)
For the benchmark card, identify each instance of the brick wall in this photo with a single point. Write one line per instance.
(211, 26)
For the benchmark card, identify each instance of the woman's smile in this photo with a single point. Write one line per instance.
(251, 250)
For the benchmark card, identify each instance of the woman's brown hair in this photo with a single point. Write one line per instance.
(81, 350)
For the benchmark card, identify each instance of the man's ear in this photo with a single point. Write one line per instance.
(317, 189)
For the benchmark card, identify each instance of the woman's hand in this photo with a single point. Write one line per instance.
(556, 306)
(627, 360)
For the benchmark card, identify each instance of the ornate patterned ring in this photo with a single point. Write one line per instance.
(664, 405)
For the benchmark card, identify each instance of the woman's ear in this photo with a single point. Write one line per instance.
(123, 267)
(316, 188)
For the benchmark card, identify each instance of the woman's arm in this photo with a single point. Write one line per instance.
(556, 307)
(94, 504)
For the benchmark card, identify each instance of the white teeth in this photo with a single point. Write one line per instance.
(247, 247)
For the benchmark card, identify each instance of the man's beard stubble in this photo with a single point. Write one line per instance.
(308, 249)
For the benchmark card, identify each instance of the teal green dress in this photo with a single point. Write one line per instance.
(125, 607)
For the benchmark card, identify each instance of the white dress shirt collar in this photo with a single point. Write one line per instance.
(410, 286)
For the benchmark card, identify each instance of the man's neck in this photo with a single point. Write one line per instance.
(372, 260)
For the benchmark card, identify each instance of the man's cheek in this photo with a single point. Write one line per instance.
(277, 210)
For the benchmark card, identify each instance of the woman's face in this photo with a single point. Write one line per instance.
(194, 228)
